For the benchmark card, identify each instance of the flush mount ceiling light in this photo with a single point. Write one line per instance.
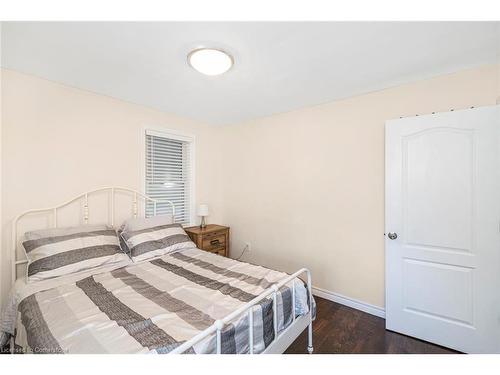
(210, 61)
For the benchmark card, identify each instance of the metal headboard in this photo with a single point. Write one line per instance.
(85, 196)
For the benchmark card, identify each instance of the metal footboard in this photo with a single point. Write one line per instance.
(218, 325)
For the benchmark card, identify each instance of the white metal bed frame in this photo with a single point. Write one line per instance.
(281, 341)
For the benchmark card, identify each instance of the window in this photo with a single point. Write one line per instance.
(168, 174)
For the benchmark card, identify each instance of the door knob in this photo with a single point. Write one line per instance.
(392, 235)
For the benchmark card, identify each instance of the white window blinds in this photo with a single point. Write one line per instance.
(168, 174)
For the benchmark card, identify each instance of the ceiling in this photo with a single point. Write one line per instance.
(279, 66)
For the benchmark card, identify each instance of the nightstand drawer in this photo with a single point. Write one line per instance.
(219, 251)
(214, 234)
(212, 238)
(214, 242)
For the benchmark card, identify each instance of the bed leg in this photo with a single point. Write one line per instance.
(310, 348)
(12, 345)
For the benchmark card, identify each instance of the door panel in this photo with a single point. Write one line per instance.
(443, 201)
(438, 188)
(432, 297)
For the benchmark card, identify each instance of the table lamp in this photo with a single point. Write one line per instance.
(203, 211)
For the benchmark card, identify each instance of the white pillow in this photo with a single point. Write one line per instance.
(62, 251)
(159, 240)
(53, 232)
(140, 223)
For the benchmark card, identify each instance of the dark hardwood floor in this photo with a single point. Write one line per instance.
(341, 329)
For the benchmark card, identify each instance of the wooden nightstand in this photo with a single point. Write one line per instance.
(213, 238)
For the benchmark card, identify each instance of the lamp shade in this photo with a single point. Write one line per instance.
(203, 210)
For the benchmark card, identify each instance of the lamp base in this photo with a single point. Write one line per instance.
(202, 223)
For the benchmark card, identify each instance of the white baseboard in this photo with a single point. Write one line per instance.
(351, 302)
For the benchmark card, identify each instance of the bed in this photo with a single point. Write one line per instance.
(185, 301)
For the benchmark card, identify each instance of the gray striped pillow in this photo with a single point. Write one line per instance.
(69, 250)
(151, 242)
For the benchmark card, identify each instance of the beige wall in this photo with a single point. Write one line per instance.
(59, 142)
(1, 174)
(307, 187)
(498, 84)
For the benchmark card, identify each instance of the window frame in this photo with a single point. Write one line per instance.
(178, 136)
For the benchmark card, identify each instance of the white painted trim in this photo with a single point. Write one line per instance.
(351, 302)
(174, 134)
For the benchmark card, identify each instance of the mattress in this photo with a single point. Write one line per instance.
(150, 307)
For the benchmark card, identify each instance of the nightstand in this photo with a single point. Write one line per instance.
(213, 238)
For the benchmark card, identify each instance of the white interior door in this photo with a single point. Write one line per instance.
(443, 204)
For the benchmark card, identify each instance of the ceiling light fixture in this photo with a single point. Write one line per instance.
(210, 61)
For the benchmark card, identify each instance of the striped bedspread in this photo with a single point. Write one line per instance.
(154, 306)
